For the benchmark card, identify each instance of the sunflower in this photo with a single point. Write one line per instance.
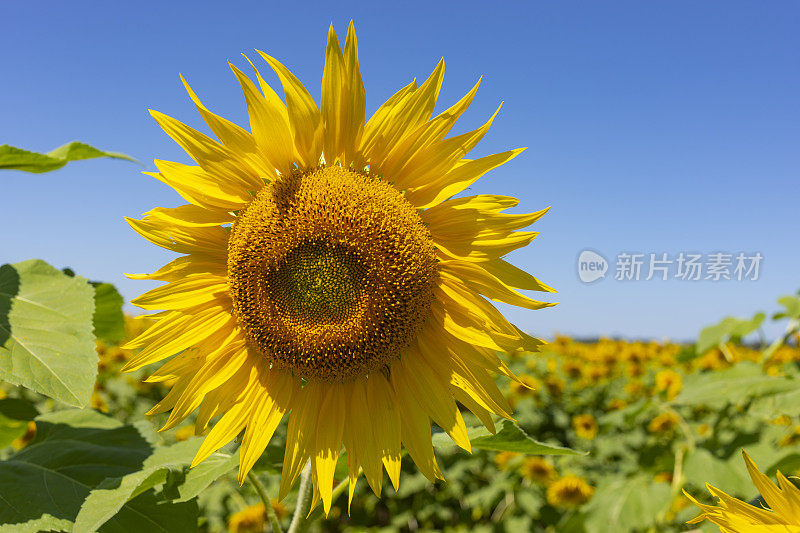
(327, 269)
(735, 516)
(585, 426)
(537, 470)
(569, 492)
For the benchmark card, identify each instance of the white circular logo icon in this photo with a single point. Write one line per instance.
(591, 266)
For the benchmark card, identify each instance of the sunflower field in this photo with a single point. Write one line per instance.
(328, 312)
(626, 426)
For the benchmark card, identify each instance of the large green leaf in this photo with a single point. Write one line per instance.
(165, 463)
(733, 385)
(14, 417)
(46, 341)
(626, 504)
(773, 406)
(728, 474)
(509, 439)
(791, 306)
(12, 158)
(729, 328)
(74, 452)
(109, 322)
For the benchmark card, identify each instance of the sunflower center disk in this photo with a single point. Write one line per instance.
(331, 273)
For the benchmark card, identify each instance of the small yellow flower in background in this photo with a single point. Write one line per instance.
(790, 439)
(669, 382)
(634, 388)
(572, 368)
(24, 440)
(538, 470)
(184, 433)
(503, 459)
(782, 420)
(663, 477)
(555, 386)
(735, 516)
(614, 404)
(526, 386)
(703, 430)
(635, 370)
(250, 520)
(585, 426)
(98, 402)
(569, 492)
(664, 423)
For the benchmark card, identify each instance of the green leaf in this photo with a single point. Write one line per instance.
(792, 308)
(730, 328)
(770, 407)
(76, 454)
(166, 464)
(12, 158)
(732, 386)
(109, 322)
(14, 417)
(46, 341)
(626, 504)
(509, 439)
(727, 474)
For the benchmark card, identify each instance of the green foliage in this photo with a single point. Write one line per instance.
(728, 329)
(509, 439)
(84, 471)
(791, 306)
(626, 504)
(14, 417)
(12, 158)
(108, 320)
(46, 341)
(91, 472)
(737, 384)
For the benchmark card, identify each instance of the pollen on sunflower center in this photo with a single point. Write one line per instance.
(331, 273)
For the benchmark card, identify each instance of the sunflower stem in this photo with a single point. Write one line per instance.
(262, 493)
(300, 519)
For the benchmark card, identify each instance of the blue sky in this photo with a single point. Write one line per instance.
(652, 127)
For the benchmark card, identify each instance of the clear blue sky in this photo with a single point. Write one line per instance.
(651, 127)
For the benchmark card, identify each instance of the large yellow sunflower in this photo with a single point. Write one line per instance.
(328, 271)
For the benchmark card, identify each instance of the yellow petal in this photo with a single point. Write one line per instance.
(463, 174)
(190, 216)
(433, 395)
(272, 401)
(300, 434)
(184, 240)
(304, 116)
(213, 157)
(231, 423)
(415, 430)
(330, 426)
(439, 158)
(385, 421)
(199, 187)
(269, 122)
(474, 276)
(231, 135)
(190, 291)
(423, 137)
(186, 265)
